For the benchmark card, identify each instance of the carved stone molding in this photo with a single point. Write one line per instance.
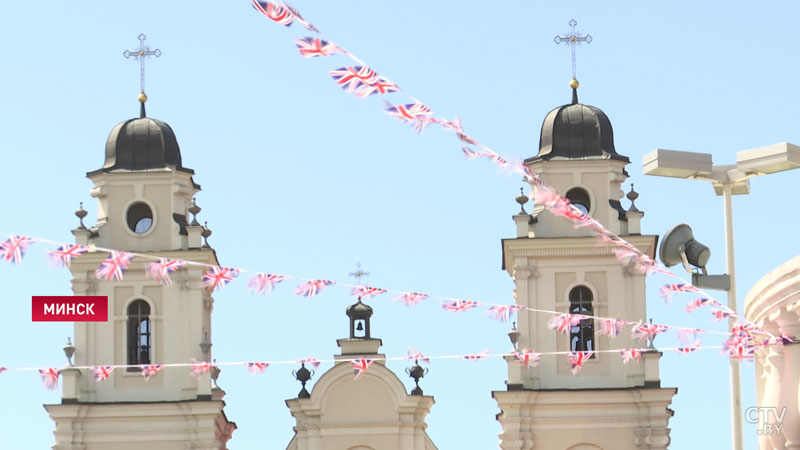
(563, 252)
(652, 438)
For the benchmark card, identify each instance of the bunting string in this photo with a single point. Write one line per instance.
(113, 268)
(525, 357)
(360, 79)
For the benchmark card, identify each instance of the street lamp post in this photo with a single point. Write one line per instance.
(727, 180)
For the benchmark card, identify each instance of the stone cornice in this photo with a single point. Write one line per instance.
(574, 247)
(775, 294)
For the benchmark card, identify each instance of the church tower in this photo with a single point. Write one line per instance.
(556, 267)
(144, 195)
(372, 412)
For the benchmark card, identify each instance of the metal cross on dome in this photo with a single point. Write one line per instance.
(358, 274)
(573, 39)
(141, 54)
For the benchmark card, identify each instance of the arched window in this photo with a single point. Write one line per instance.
(139, 333)
(581, 337)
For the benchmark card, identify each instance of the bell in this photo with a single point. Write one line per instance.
(360, 326)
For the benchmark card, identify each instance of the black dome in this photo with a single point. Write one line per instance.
(140, 144)
(577, 131)
(359, 310)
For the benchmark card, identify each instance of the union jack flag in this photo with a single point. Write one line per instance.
(470, 153)
(516, 166)
(563, 322)
(200, 367)
(783, 339)
(689, 349)
(360, 366)
(606, 238)
(687, 335)
(264, 283)
(148, 370)
(417, 356)
(645, 331)
(623, 254)
(576, 360)
(160, 270)
(648, 266)
(720, 314)
(475, 356)
(415, 113)
(626, 247)
(609, 239)
(310, 47)
(746, 329)
(668, 290)
(545, 196)
(527, 358)
(459, 305)
(3, 369)
(503, 312)
(611, 327)
(256, 367)
(367, 291)
(578, 217)
(412, 298)
(455, 125)
(698, 302)
(312, 288)
(114, 266)
(632, 354)
(528, 173)
(49, 378)
(102, 372)
(740, 349)
(351, 78)
(382, 86)
(497, 159)
(300, 18)
(218, 277)
(562, 208)
(62, 256)
(14, 248)
(279, 13)
(314, 362)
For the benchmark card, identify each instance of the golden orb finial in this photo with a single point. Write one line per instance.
(142, 97)
(574, 84)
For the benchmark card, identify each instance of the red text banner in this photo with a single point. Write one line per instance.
(83, 308)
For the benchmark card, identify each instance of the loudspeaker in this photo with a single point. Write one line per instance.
(680, 240)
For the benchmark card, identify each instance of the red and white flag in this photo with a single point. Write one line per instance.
(360, 366)
(49, 378)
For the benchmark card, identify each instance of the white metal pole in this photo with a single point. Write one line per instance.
(736, 385)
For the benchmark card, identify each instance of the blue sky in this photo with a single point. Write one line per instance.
(301, 178)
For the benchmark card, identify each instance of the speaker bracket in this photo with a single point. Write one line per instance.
(713, 282)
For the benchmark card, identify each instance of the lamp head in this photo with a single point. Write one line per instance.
(679, 246)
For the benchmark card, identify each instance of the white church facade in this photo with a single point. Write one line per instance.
(145, 205)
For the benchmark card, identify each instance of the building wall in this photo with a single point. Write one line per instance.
(774, 304)
(373, 412)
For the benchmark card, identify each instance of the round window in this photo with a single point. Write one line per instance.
(580, 198)
(140, 218)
